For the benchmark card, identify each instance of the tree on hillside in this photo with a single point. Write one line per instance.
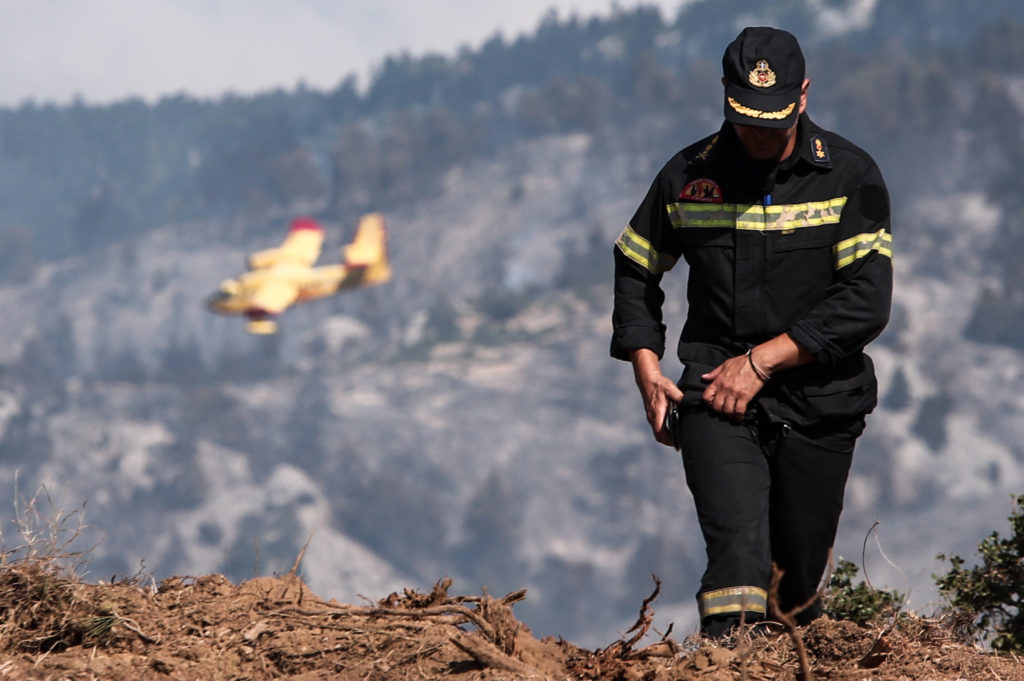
(19, 262)
(989, 598)
(293, 178)
(489, 553)
(240, 146)
(355, 165)
(101, 218)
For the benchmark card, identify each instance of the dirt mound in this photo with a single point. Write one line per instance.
(209, 629)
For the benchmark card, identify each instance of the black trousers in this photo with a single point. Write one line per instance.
(764, 492)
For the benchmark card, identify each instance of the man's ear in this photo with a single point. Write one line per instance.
(803, 94)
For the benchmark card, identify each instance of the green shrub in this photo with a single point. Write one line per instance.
(860, 603)
(986, 599)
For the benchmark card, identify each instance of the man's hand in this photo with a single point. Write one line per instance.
(732, 384)
(657, 391)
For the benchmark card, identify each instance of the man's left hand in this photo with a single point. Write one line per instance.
(731, 386)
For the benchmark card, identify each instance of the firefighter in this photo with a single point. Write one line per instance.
(784, 228)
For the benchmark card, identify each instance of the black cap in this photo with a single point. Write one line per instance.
(764, 74)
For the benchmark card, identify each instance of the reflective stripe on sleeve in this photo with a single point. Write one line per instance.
(777, 217)
(734, 599)
(639, 250)
(849, 250)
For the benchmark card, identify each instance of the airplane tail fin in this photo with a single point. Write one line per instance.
(369, 249)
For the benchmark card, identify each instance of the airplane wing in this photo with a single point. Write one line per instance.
(272, 297)
(300, 247)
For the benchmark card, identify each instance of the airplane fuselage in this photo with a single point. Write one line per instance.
(236, 295)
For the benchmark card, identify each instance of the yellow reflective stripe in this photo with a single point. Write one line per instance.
(639, 250)
(810, 214)
(756, 217)
(846, 252)
(683, 215)
(753, 217)
(733, 600)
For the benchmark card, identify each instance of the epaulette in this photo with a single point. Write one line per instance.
(819, 149)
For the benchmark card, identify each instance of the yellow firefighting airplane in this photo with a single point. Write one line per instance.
(280, 277)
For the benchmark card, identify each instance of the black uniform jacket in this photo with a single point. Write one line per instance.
(803, 247)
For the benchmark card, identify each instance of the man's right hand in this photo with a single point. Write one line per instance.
(656, 389)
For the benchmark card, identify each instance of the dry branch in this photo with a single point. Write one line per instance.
(490, 656)
(788, 620)
(623, 648)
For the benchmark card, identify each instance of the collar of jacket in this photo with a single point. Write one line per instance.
(724, 150)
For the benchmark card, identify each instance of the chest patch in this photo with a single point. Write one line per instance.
(704, 190)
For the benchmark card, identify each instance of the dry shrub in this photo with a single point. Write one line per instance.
(41, 603)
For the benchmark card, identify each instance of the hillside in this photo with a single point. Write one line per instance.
(465, 419)
(208, 629)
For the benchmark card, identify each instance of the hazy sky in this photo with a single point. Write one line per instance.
(105, 50)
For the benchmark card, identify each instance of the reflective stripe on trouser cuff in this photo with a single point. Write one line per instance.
(735, 599)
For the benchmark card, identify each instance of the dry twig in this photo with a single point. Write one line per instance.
(490, 656)
(788, 620)
(623, 648)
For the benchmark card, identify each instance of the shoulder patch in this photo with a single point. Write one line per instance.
(819, 150)
(704, 190)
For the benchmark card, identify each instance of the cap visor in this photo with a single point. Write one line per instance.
(777, 110)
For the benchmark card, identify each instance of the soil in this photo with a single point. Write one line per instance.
(210, 629)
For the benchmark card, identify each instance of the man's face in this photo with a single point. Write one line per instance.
(766, 144)
(771, 144)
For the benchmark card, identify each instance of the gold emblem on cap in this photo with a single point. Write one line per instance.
(766, 115)
(761, 75)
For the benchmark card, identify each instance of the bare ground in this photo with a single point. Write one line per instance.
(210, 629)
